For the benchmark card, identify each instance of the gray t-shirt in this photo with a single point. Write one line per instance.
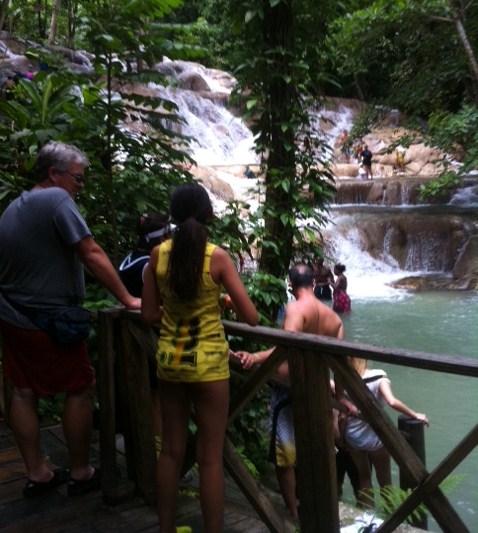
(38, 264)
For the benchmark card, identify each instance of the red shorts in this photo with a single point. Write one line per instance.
(32, 360)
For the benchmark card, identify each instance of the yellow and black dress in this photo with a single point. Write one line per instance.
(192, 344)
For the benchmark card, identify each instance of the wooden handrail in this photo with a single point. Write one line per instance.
(395, 356)
(310, 358)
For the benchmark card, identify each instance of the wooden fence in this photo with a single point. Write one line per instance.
(123, 377)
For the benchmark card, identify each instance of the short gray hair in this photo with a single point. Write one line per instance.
(59, 155)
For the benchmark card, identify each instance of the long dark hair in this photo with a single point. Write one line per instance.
(191, 209)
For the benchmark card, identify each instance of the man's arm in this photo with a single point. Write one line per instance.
(97, 262)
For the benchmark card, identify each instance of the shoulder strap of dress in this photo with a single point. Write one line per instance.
(208, 254)
(374, 378)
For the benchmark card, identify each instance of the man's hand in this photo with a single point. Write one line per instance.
(133, 303)
(247, 359)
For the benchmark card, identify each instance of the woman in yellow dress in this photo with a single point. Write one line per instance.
(182, 287)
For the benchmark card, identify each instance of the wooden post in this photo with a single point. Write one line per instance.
(314, 437)
(106, 396)
(413, 431)
(136, 402)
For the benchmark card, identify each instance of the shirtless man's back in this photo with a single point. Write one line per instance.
(306, 314)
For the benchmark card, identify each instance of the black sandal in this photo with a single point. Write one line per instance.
(82, 486)
(37, 488)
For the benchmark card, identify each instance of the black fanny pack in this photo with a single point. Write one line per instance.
(65, 325)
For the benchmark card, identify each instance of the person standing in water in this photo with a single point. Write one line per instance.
(342, 302)
(322, 275)
(366, 159)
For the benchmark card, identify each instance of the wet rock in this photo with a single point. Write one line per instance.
(466, 266)
(193, 82)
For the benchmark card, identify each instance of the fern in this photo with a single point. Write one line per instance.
(391, 497)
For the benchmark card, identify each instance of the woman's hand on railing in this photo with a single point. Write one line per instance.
(423, 418)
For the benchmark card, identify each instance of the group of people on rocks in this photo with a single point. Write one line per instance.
(181, 276)
(361, 152)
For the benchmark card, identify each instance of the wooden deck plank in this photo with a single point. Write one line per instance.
(56, 512)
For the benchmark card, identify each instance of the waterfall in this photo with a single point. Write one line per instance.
(219, 137)
(377, 246)
(467, 196)
(368, 277)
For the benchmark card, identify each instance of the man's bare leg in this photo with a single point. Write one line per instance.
(287, 485)
(77, 427)
(26, 430)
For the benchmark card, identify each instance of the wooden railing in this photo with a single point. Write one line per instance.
(124, 341)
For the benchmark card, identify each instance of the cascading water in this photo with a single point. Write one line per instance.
(368, 277)
(219, 138)
(384, 247)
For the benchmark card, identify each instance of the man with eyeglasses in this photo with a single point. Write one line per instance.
(44, 244)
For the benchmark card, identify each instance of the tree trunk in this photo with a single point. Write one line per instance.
(72, 8)
(54, 21)
(470, 55)
(281, 159)
(3, 12)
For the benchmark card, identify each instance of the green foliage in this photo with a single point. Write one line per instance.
(455, 133)
(249, 431)
(384, 51)
(441, 187)
(275, 90)
(451, 130)
(391, 497)
(51, 408)
(40, 110)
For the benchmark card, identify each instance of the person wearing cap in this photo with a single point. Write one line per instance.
(152, 229)
(44, 245)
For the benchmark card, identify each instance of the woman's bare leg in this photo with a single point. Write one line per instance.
(362, 462)
(381, 462)
(211, 405)
(176, 410)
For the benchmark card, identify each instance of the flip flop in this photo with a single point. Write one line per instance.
(37, 488)
(82, 486)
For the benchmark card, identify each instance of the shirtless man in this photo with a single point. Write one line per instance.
(306, 314)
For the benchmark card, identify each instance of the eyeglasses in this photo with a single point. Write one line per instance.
(79, 178)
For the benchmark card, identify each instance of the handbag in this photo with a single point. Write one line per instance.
(66, 325)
